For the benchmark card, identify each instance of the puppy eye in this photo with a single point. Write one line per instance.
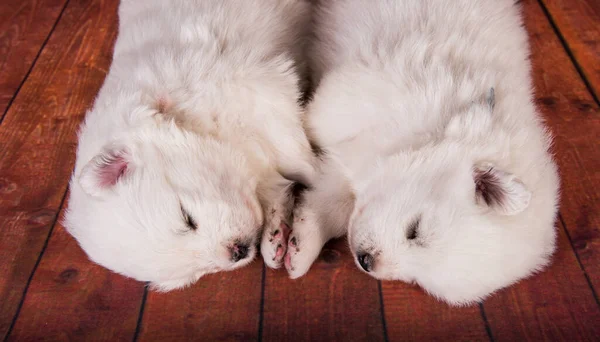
(413, 229)
(189, 220)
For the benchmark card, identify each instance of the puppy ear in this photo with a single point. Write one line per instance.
(105, 170)
(500, 190)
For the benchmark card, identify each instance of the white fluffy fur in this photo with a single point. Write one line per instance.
(199, 110)
(416, 99)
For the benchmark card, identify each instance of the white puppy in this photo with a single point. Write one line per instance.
(180, 161)
(434, 156)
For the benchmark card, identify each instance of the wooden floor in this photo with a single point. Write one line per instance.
(53, 57)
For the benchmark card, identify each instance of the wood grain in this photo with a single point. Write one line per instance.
(413, 315)
(38, 140)
(573, 116)
(24, 26)
(70, 298)
(579, 23)
(75, 299)
(332, 302)
(555, 305)
(219, 307)
(559, 304)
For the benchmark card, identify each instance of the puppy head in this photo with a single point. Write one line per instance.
(165, 206)
(452, 224)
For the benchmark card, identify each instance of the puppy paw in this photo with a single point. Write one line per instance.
(274, 242)
(303, 248)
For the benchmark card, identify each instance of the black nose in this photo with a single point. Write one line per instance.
(366, 261)
(239, 252)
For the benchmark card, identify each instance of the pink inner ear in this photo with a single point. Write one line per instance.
(110, 172)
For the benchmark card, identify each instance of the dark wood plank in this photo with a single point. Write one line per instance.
(332, 302)
(413, 315)
(219, 307)
(38, 139)
(573, 116)
(579, 24)
(555, 305)
(24, 26)
(559, 304)
(74, 299)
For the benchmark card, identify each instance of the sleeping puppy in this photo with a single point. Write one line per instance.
(181, 161)
(435, 157)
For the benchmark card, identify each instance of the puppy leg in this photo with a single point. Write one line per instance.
(295, 165)
(278, 200)
(322, 214)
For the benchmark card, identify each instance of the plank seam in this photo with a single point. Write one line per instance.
(587, 277)
(138, 325)
(262, 304)
(35, 267)
(486, 323)
(591, 91)
(33, 63)
(383, 321)
(565, 45)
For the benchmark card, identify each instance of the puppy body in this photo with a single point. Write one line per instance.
(425, 114)
(180, 161)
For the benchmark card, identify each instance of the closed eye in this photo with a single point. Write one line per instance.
(413, 229)
(189, 220)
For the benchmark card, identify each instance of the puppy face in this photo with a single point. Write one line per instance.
(436, 218)
(165, 206)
